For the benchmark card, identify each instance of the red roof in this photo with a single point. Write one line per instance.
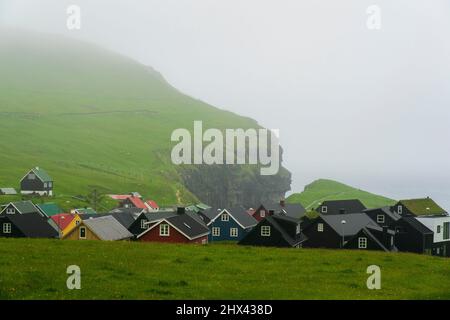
(138, 203)
(63, 219)
(153, 204)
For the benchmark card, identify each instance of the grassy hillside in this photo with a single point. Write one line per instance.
(321, 190)
(92, 117)
(36, 269)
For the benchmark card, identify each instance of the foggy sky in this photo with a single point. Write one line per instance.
(367, 107)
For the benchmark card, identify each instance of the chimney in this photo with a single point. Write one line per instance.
(342, 211)
(181, 210)
(282, 202)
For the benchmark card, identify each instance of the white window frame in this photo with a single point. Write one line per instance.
(362, 243)
(234, 232)
(262, 213)
(215, 232)
(45, 184)
(265, 231)
(320, 227)
(324, 209)
(144, 224)
(79, 233)
(50, 184)
(7, 228)
(381, 218)
(205, 241)
(298, 229)
(225, 217)
(10, 211)
(163, 231)
(32, 176)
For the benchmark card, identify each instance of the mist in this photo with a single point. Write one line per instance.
(370, 108)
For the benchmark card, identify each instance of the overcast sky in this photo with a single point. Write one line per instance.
(367, 107)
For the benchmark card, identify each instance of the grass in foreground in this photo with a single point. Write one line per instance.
(36, 269)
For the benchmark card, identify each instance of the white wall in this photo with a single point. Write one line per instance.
(432, 224)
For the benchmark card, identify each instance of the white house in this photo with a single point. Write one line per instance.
(440, 225)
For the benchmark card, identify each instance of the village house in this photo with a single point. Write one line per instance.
(20, 207)
(418, 207)
(7, 191)
(230, 224)
(66, 222)
(178, 228)
(341, 206)
(334, 231)
(440, 225)
(275, 231)
(373, 237)
(383, 216)
(105, 228)
(26, 225)
(146, 219)
(413, 236)
(37, 182)
(293, 210)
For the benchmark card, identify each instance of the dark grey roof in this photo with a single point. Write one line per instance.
(32, 225)
(354, 222)
(108, 228)
(238, 213)
(188, 225)
(416, 224)
(126, 219)
(24, 207)
(159, 215)
(293, 241)
(349, 206)
(294, 210)
(386, 210)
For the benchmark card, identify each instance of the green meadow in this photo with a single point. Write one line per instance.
(323, 189)
(36, 269)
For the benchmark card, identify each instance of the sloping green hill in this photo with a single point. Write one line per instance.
(92, 117)
(322, 189)
(131, 270)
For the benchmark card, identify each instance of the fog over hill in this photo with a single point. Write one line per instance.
(366, 107)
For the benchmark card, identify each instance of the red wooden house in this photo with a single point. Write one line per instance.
(180, 228)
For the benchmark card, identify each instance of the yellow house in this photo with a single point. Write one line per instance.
(66, 222)
(105, 228)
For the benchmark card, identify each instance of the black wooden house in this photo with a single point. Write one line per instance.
(37, 182)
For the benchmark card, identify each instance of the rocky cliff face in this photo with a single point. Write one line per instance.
(230, 185)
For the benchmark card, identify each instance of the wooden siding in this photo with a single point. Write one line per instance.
(174, 236)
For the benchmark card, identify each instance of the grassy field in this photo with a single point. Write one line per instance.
(92, 117)
(36, 269)
(323, 189)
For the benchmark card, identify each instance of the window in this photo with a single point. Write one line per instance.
(225, 217)
(297, 231)
(31, 176)
(324, 209)
(7, 228)
(320, 227)
(49, 184)
(438, 229)
(77, 222)
(144, 224)
(10, 211)
(362, 243)
(233, 232)
(380, 218)
(82, 233)
(399, 209)
(216, 232)
(265, 231)
(45, 184)
(262, 213)
(446, 230)
(204, 241)
(164, 230)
